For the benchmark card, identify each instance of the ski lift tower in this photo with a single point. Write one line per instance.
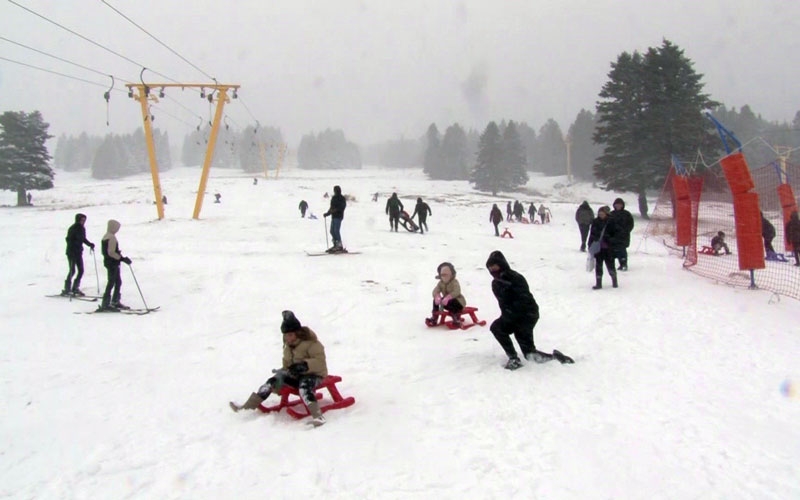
(145, 95)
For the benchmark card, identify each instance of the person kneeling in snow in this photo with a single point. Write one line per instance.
(447, 294)
(303, 368)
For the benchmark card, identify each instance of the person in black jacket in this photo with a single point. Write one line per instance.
(76, 238)
(303, 206)
(393, 208)
(623, 221)
(768, 233)
(793, 236)
(496, 217)
(603, 232)
(423, 211)
(584, 216)
(336, 211)
(519, 312)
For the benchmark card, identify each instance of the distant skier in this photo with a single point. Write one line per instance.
(393, 208)
(336, 211)
(303, 367)
(423, 211)
(112, 259)
(496, 217)
(303, 207)
(519, 313)
(76, 238)
(217, 197)
(375, 197)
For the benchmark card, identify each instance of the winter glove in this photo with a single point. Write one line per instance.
(91, 245)
(298, 368)
(438, 299)
(447, 299)
(126, 260)
(326, 214)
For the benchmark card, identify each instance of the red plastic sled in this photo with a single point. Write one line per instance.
(328, 382)
(446, 318)
(706, 250)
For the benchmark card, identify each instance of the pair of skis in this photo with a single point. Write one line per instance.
(85, 298)
(136, 311)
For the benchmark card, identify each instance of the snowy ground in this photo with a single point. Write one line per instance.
(676, 390)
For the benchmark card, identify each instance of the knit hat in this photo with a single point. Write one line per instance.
(290, 322)
(448, 265)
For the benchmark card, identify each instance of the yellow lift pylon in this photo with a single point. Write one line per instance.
(144, 94)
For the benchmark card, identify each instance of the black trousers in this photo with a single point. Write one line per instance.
(604, 256)
(584, 228)
(305, 384)
(394, 221)
(423, 222)
(75, 263)
(114, 284)
(452, 306)
(502, 329)
(496, 230)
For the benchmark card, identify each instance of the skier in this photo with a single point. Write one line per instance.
(604, 232)
(303, 367)
(793, 236)
(217, 197)
(584, 216)
(623, 221)
(423, 211)
(303, 207)
(112, 257)
(496, 217)
(393, 208)
(718, 243)
(336, 211)
(447, 294)
(76, 238)
(519, 313)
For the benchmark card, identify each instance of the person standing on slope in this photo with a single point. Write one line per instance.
(336, 211)
(76, 238)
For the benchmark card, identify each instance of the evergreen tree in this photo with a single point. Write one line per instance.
(650, 109)
(514, 160)
(432, 162)
(584, 151)
(528, 138)
(23, 155)
(328, 150)
(552, 152)
(488, 174)
(454, 155)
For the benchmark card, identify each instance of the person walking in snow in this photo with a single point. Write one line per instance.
(447, 294)
(496, 217)
(519, 313)
(542, 213)
(76, 238)
(393, 207)
(336, 211)
(623, 222)
(532, 213)
(584, 216)
(603, 232)
(519, 210)
(112, 259)
(303, 207)
(768, 233)
(509, 212)
(793, 236)
(422, 210)
(303, 367)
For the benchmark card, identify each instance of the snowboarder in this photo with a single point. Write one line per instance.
(112, 258)
(584, 216)
(793, 236)
(447, 294)
(76, 238)
(604, 232)
(393, 208)
(718, 243)
(496, 217)
(519, 313)
(303, 367)
(423, 211)
(303, 207)
(336, 211)
(623, 220)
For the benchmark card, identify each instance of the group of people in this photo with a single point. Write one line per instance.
(768, 233)
(517, 211)
(394, 209)
(304, 366)
(607, 238)
(112, 259)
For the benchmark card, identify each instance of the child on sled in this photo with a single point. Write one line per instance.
(447, 294)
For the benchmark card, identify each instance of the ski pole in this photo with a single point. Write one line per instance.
(96, 276)
(326, 231)
(137, 286)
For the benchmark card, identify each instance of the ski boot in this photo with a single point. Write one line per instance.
(77, 293)
(119, 306)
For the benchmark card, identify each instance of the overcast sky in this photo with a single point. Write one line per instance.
(379, 69)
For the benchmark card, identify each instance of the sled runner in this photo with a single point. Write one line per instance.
(328, 383)
(446, 318)
(706, 250)
(407, 222)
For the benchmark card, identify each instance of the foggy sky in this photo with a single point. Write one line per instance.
(379, 69)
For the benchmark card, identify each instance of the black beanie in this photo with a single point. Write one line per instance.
(290, 322)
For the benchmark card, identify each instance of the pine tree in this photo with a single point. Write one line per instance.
(514, 160)
(454, 155)
(584, 151)
(23, 154)
(552, 152)
(651, 108)
(432, 162)
(488, 172)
